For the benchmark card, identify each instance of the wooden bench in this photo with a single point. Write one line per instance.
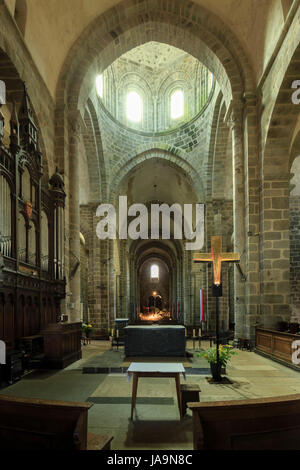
(33, 424)
(189, 392)
(259, 424)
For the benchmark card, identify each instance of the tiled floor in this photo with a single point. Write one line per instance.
(156, 424)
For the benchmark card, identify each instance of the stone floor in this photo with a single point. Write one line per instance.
(156, 424)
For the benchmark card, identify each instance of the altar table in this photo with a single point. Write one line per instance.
(156, 340)
(147, 369)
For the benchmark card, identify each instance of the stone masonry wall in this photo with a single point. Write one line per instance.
(295, 256)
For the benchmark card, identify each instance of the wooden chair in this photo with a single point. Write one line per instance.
(192, 333)
(244, 343)
(33, 424)
(256, 424)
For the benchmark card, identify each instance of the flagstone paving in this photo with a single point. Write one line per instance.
(156, 424)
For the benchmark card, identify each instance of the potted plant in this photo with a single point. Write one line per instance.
(87, 329)
(225, 353)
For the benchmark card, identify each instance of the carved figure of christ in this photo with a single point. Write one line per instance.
(217, 257)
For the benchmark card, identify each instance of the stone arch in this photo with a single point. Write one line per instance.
(275, 220)
(212, 145)
(93, 147)
(219, 170)
(170, 252)
(191, 19)
(21, 15)
(173, 159)
(274, 84)
(181, 24)
(102, 165)
(282, 124)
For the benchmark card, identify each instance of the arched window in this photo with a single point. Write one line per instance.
(154, 271)
(99, 85)
(134, 106)
(177, 104)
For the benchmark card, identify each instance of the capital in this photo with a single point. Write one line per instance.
(76, 124)
(234, 115)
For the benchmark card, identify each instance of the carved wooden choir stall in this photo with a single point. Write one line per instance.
(32, 282)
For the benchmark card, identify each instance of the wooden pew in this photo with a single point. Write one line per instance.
(256, 424)
(33, 424)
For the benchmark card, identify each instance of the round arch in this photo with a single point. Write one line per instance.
(174, 160)
(189, 27)
(285, 115)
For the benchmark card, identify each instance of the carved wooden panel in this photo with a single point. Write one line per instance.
(30, 293)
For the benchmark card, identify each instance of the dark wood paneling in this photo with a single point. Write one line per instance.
(256, 424)
(276, 344)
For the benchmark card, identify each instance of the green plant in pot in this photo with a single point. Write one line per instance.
(225, 354)
(87, 329)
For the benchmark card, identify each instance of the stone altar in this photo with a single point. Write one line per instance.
(156, 340)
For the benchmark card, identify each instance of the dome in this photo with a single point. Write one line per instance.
(155, 88)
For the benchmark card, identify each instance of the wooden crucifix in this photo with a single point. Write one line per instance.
(217, 257)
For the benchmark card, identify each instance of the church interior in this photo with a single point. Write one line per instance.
(127, 105)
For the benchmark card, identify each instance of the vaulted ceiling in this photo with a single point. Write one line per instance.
(52, 28)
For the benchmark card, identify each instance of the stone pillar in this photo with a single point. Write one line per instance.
(252, 228)
(275, 246)
(210, 303)
(124, 300)
(236, 124)
(95, 275)
(74, 217)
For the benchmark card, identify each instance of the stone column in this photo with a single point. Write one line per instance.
(236, 125)
(95, 275)
(74, 217)
(252, 227)
(275, 246)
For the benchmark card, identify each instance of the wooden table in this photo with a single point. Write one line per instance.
(149, 369)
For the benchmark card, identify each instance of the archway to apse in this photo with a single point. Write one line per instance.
(158, 180)
(156, 278)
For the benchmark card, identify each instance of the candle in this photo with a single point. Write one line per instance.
(194, 332)
(112, 332)
(117, 333)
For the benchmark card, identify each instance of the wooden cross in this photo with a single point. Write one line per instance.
(216, 257)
